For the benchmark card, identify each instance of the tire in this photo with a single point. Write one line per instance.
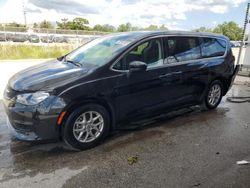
(75, 124)
(209, 104)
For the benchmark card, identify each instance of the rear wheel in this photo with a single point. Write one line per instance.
(86, 127)
(213, 95)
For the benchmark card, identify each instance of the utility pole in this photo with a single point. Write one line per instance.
(24, 14)
(246, 60)
(243, 34)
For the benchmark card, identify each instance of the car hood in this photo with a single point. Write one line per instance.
(47, 76)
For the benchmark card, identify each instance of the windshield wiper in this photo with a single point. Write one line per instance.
(72, 62)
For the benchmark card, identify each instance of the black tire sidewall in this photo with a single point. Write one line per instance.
(67, 132)
(208, 105)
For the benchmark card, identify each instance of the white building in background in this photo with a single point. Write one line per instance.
(246, 61)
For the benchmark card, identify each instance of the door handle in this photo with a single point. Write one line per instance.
(170, 74)
(177, 72)
(165, 75)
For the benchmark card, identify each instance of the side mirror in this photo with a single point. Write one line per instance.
(61, 58)
(137, 66)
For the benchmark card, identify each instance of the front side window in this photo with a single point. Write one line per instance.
(212, 47)
(182, 49)
(148, 52)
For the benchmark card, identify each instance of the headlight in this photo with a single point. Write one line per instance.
(32, 98)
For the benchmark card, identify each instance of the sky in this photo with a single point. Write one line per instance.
(174, 14)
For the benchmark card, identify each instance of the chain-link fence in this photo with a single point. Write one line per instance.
(51, 31)
(23, 43)
(41, 35)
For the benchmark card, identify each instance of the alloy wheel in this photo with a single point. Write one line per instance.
(88, 126)
(214, 94)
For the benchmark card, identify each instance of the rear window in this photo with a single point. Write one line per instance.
(212, 47)
(183, 49)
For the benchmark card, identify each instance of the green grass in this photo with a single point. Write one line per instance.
(27, 51)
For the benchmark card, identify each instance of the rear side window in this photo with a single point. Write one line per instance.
(212, 47)
(182, 49)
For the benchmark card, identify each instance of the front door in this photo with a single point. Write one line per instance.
(140, 93)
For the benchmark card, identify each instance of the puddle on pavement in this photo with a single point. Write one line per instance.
(30, 159)
(132, 138)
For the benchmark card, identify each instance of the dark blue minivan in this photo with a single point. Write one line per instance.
(116, 79)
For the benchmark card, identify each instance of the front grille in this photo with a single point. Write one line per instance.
(20, 127)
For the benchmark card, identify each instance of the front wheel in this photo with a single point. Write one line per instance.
(213, 95)
(86, 126)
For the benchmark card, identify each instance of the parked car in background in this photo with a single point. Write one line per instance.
(2, 37)
(235, 44)
(10, 37)
(47, 39)
(84, 40)
(117, 79)
(72, 39)
(17, 37)
(60, 39)
(34, 38)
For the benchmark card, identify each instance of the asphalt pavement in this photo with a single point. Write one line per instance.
(188, 148)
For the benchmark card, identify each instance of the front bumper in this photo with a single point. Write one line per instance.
(34, 122)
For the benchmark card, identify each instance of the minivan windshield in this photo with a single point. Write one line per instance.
(100, 50)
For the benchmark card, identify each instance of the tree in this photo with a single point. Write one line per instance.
(15, 27)
(79, 24)
(46, 25)
(63, 24)
(162, 27)
(35, 25)
(203, 29)
(229, 29)
(124, 27)
(151, 28)
(76, 24)
(135, 28)
(104, 28)
(14, 24)
(98, 27)
(108, 28)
